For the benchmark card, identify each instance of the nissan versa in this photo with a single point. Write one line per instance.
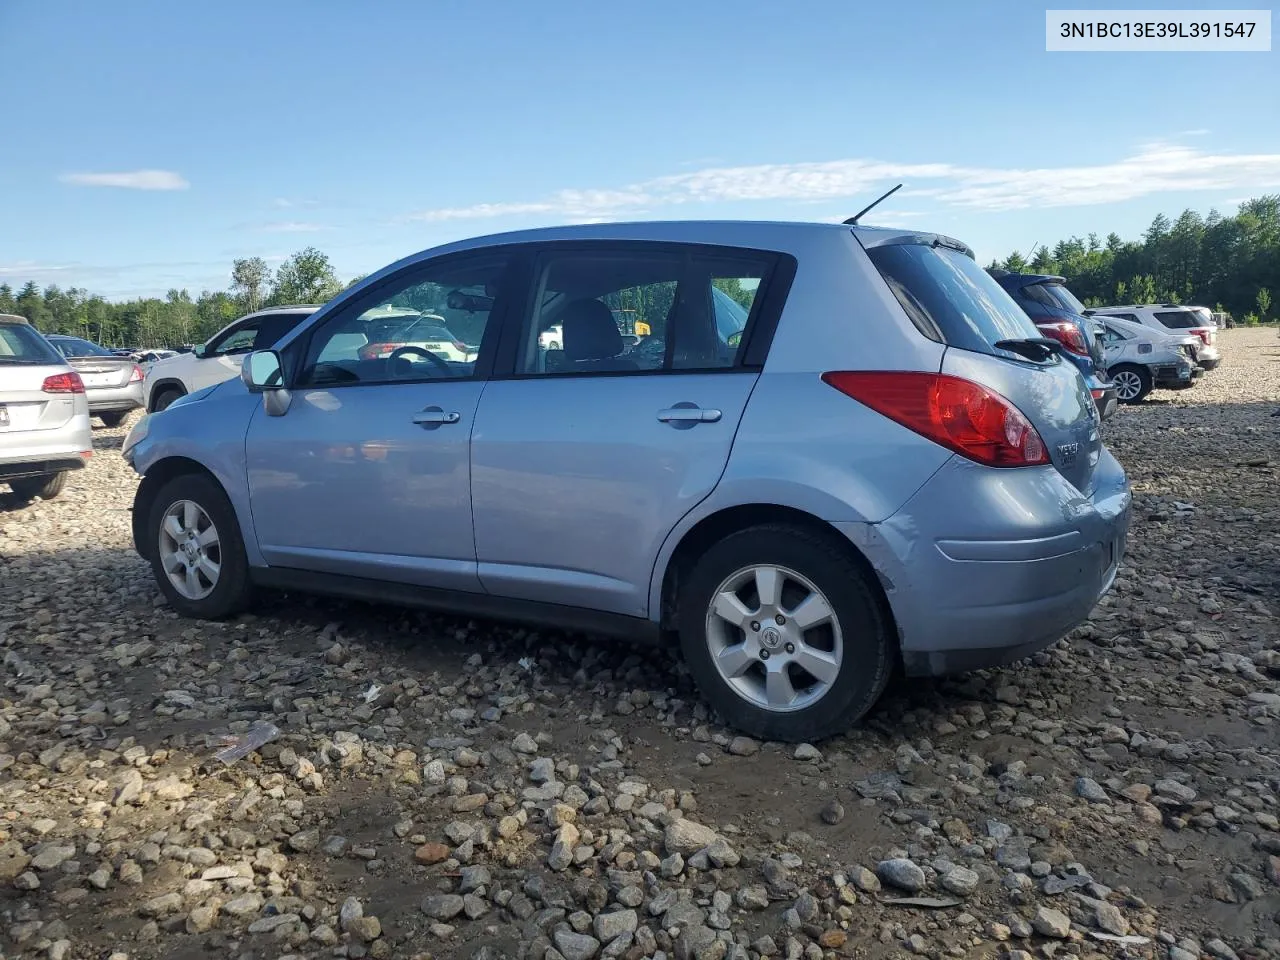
(886, 463)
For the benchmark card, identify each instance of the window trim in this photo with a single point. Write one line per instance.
(295, 353)
(757, 335)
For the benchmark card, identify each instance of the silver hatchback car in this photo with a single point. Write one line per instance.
(851, 450)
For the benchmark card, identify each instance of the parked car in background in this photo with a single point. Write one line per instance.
(44, 415)
(803, 511)
(552, 337)
(411, 332)
(1172, 318)
(112, 384)
(1140, 359)
(218, 358)
(148, 357)
(1060, 316)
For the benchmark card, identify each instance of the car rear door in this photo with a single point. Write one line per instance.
(974, 314)
(584, 457)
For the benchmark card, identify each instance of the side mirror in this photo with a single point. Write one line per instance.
(261, 371)
(198, 350)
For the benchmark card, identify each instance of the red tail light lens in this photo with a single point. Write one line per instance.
(376, 351)
(63, 383)
(136, 375)
(1205, 335)
(459, 346)
(1067, 334)
(958, 414)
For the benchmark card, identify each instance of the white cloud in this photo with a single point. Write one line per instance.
(29, 269)
(285, 203)
(131, 180)
(1154, 168)
(293, 226)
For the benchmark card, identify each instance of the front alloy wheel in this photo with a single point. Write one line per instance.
(190, 550)
(197, 554)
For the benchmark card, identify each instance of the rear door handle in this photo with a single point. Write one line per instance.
(434, 416)
(688, 415)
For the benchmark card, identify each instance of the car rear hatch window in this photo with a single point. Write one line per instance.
(19, 344)
(949, 297)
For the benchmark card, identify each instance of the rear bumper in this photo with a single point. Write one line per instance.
(984, 567)
(115, 399)
(18, 469)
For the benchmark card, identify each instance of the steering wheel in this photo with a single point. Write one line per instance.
(402, 351)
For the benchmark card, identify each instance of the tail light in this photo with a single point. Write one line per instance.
(136, 375)
(459, 346)
(1097, 394)
(958, 414)
(1205, 335)
(1067, 334)
(63, 383)
(376, 351)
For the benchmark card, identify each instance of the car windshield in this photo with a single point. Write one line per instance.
(944, 290)
(21, 344)
(75, 347)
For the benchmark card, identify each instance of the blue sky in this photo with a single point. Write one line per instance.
(149, 143)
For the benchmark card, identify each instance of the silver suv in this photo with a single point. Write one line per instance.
(873, 459)
(1172, 318)
(44, 415)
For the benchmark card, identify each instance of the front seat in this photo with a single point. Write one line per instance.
(591, 338)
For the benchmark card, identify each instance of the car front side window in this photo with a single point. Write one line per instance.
(388, 334)
(239, 340)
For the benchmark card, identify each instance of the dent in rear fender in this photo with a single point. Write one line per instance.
(211, 433)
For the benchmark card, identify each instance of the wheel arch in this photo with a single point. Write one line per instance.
(716, 526)
(152, 482)
(160, 386)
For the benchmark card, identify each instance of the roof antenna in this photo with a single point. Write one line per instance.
(853, 221)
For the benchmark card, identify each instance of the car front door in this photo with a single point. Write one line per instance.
(585, 457)
(367, 472)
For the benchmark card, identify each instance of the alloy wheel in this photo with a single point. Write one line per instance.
(774, 638)
(1128, 384)
(190, 550)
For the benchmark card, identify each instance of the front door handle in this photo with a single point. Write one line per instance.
(689, 414)
(434, 417)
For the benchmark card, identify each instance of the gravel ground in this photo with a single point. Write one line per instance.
(446, 788)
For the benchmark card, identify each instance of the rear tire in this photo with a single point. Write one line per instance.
(112, 420)
(197, 555)
(166, 397)
(46, 486)
(740, 668)
(1133, 383)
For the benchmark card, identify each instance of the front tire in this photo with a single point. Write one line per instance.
(166, 397)
(784, 634)
(1132, 383)
(46, 486)
(113, 420)
(195, 549)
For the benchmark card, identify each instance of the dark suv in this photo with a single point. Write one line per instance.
(1059, 315)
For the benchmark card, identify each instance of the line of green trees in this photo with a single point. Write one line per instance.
(1227, 263)
(306, 277)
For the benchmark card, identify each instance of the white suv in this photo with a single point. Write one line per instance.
(1172, 318)
(218, 358)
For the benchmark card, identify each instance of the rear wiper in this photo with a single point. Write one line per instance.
(1033, 348)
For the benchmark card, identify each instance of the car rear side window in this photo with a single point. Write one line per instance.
(1179, 319)
(946, 294)
(20, 344)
